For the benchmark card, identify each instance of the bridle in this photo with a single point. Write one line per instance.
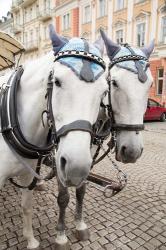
(11, 130)
(114, 126)
(142, 77)
(78, 125)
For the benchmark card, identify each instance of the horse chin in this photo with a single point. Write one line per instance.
(66, 183)
(125, 161)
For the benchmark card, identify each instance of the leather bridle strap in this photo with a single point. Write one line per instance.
(78, 125)
(132, 57)
(128, 127)
(81, 54)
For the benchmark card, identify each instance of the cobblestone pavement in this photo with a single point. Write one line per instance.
(133, 219)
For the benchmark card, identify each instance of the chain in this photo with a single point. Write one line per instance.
(122, 177)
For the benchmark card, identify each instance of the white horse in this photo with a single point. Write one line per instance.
(73, 98)
(129, 83)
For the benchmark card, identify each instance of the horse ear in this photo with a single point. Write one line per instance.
(99, 44)
(57, 41)
(148, 49)
(111, 47)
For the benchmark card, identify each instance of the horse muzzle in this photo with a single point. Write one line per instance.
(128, 154)
(72, 172)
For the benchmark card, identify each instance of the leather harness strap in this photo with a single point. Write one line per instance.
(10, 126)
(81, 125)
(128, 127)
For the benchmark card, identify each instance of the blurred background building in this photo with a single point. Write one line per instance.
(134, 21)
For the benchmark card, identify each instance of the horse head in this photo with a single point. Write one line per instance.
(130, 81)
(79, 87)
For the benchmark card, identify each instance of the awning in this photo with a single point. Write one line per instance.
(9, 47)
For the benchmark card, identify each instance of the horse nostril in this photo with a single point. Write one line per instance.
(141, 151)
(63, 166)
(123, 149)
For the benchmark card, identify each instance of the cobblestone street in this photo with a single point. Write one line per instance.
(133, 219)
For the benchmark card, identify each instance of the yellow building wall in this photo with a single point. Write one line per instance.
(101, 22)
(139, 7)
(86, 28)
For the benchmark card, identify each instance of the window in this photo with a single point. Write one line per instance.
(66, 21)
(119, 4)
(26, 16)
(37, 33)
(30, 14)
(46, 33)
(141, 34)
(160, 79)
(37, 10)
(31, 35)
(139, 1)
(152, 103)
(163, 30)
(119, 36)
(87, 14)
(26, 37)
(46, 4)
(102, 8)
(18, 18)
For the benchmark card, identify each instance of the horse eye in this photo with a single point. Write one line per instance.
(57, 83)
(105, 93)
(114, 83)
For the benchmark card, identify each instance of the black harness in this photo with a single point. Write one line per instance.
(10, 126)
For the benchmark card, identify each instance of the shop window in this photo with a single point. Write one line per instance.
(160, 79)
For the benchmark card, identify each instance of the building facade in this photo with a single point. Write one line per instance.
(136, 22)
(31, 20)
(6, 23)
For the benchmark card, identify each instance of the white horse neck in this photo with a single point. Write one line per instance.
(31, 98)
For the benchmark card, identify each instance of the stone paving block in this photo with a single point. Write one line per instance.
(133, 244)
(103, 241)
(110, 246)
(124, 239)
(76, 246)
(161, 238)
(125, 247)
(145, 236)
(95, 245)
(3, 246)
(155, 242)
(162, 248)
(140, 241)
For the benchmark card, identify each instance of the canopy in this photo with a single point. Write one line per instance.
(9, 47)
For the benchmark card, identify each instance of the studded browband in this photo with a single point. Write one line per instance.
(127, 58)
(82, 54)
